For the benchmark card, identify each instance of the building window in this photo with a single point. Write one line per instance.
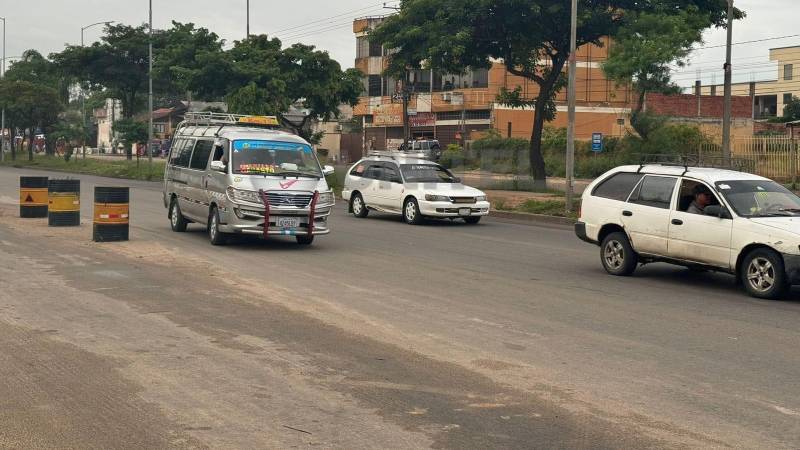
(787, 98)
(374, 86)
(159, 128)
(621, 121)
(787, 71)
(362, 47)
(469, 115)
(375, 49)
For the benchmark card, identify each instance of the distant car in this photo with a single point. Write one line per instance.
(412, 187)
(642, 214)
(430, 148)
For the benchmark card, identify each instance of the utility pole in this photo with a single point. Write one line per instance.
(3, 119)
(248, 19)
(571, 111)
(150, 92)
(726, 115)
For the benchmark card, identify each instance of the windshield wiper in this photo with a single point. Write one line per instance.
(296, 174)
(792, 210)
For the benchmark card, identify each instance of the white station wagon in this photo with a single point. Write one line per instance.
(412, 187)
(701, 218)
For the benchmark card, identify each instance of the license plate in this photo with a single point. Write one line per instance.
(287, 222)
(464, 211)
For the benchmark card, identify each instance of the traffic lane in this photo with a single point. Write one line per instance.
(491, 290)
(235, 370)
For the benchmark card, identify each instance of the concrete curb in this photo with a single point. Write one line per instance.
(527, 217)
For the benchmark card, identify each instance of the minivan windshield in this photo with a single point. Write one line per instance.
(426, 173)
(273, 158)
(759, 198)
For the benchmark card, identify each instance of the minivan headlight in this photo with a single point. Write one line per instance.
(437, 198)
(480, 198)
(238, 196)
(326, 198)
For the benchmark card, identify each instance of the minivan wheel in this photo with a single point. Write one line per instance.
(617, 255)
(763, 274)
(411, 213)
(358, 207)
(472, 220)
(214, 235)
(176, 219)
(305, 240)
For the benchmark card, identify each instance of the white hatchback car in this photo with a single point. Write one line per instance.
(642, 214)
(414, 188)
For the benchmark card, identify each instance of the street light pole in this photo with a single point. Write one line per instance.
(248, 19)
(83, 97)
(150, 93)
(571, 110)
(726, 115)
(3, 119)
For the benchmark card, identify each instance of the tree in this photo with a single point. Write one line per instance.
(791, 111)
(532, 37)
(266, 79)
(70, 128)
(131, 132)
(37, 69)
(30, 106)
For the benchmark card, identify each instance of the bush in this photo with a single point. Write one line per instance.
(452, 156)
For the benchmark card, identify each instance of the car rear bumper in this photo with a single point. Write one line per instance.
(580, 231)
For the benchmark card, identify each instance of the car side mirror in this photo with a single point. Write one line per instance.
(218, 166)
(328, 170)
(717, 211)
(456, 180)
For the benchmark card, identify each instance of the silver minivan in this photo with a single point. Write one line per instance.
(238, 174)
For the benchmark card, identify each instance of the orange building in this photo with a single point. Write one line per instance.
(443, 106)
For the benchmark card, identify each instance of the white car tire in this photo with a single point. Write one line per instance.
(411, 213)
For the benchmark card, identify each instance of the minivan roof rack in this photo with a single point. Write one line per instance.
(217, 119)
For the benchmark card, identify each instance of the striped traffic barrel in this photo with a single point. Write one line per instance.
(33, 197)
(111, 214)
(64, 203)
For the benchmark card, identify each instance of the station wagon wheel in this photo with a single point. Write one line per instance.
(617, 255)
(763, 274)
(411, 213)
(358, 207)
(176, 219)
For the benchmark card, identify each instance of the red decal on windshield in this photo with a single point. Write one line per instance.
(288, 184)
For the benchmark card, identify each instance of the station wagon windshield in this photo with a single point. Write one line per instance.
(272, 158)
(426, 173)
(757, 198)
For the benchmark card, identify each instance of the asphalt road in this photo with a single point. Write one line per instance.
(381, 335)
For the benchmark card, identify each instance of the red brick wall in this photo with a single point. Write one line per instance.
(761, 127)
(685, 105)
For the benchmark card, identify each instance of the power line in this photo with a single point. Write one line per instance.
(347, 13)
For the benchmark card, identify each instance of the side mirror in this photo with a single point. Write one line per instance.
(456, 180)
(218, 166)
(717, 211)
(328, 170)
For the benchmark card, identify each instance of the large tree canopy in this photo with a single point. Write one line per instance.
(532, 37)
(29, 105)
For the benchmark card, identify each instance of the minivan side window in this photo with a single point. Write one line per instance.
(618, 186)
(175, 150)
(655, 192)
(184, 153)
(202, 151)
(391, 173)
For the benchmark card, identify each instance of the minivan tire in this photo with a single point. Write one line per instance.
(472, 220)
(177, 222)
(358, 207)
(305, 240)
(216, 236)
(617, 255)
(763, 274)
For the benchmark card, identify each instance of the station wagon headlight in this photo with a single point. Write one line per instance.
(480, 198)
(437, 198)
(238, 196)
(326, 198)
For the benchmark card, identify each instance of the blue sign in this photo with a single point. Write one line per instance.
(250, 144)
(597, 142)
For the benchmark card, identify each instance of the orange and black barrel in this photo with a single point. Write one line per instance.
(33, 197)
(64, 203)
(111, 214)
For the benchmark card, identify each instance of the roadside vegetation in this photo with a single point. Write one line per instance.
(549, 207)
(116, 168)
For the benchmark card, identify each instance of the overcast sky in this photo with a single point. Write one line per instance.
(47, 25)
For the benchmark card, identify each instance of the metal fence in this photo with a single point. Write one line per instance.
(776, 157)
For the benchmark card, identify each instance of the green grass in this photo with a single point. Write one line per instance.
(554, 207)
(116, 168)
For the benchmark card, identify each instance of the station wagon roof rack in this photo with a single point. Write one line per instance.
(695, 161)
(394, 154)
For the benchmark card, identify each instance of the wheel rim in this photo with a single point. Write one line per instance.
(411, 211)
(614, 254)
(357, 205)
(213, 227)
(761, 274)
(174, 215)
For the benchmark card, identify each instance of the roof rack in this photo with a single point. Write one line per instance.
(696, 161)
(215, 118)
(394, 154)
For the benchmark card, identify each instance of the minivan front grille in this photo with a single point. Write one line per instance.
(289, 200)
